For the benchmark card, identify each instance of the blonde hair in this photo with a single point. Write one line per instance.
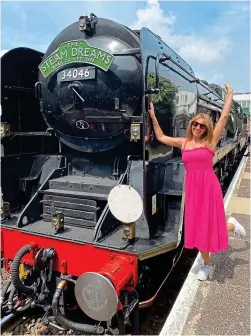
(207, 137)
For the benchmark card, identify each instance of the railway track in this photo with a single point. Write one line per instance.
(151, 319)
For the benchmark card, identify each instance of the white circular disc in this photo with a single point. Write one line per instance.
(125, 203)
(96, 296)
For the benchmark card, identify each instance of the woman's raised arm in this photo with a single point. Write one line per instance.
(224, 115)
(170, 141)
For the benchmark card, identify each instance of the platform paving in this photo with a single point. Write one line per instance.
(220, 306)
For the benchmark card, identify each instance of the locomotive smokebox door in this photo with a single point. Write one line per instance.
(126, 205)
(92, 72)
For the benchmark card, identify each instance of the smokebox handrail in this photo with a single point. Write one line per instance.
(126, 52)
(122, 118)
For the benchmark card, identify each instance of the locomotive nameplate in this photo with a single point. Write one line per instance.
(70, 74)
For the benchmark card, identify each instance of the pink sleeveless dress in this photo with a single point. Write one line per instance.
(205, 220)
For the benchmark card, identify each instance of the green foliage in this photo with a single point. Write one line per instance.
(167, 89)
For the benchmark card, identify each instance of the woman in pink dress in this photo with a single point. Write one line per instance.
(206, 227)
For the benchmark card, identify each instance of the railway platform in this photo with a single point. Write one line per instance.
(220, 306)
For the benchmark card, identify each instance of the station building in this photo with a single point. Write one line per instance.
(244, 99)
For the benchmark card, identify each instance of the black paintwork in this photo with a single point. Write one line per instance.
(20, 108)
(77, 182)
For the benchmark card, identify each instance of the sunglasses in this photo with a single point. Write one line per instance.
(196, 124)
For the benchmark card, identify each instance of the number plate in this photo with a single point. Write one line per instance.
(72, 74)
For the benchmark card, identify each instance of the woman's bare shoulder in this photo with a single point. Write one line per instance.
(183, 141)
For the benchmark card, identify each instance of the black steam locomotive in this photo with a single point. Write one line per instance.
(92, 203)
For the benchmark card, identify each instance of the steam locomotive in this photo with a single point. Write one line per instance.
(92, 203)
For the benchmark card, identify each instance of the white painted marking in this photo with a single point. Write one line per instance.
(125, 203)
(233, 183)
(177, 317)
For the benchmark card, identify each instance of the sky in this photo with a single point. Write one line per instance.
(212, 36)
